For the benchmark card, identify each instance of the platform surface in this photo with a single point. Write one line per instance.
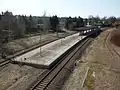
(49, 52)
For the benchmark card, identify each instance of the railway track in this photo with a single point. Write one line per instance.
(47, 80)
(6, 61)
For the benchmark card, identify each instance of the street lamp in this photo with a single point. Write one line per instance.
(38, 25)
(57, 30)
(57, 27)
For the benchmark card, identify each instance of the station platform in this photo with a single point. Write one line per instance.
(47, 54)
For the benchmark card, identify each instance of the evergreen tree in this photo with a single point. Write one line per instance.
(54, 22)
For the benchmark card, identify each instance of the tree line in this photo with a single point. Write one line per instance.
(93, 21)
(17, 26)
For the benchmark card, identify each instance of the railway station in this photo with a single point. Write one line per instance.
(59, 45)
(45, 56)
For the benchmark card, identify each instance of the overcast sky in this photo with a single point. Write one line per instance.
(82, 8)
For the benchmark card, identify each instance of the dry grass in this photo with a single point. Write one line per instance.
(89, 82)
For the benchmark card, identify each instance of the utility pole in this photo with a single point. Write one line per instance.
(41, 31)
(57, 31)
(38, 25)
(40, 43)
(9, 31)
(44, 15)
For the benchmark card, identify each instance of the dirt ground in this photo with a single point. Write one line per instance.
(103, 63)
(115, 39)
(17, 77)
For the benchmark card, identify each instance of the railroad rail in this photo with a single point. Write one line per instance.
(7, 60)
(47, 80)
(4, 62)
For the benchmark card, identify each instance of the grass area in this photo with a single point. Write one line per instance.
(89, 82)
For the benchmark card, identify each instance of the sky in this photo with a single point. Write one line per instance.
(62, 8)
